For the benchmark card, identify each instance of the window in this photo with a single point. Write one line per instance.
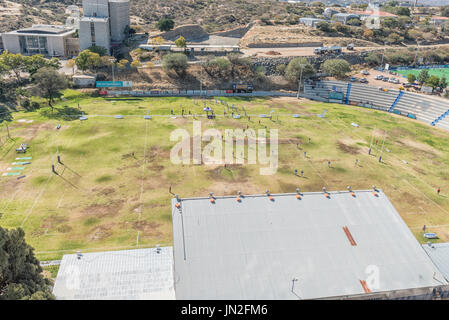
(92, 32)
(33, 44)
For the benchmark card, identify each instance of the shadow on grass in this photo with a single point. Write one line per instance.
(123, 99)
(64, 113)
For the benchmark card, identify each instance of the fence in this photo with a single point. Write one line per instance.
(205, 93)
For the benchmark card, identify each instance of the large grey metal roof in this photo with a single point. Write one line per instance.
(140, 274)
(439, 254)
(255, 248)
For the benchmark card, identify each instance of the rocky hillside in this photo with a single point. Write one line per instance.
(212, 15)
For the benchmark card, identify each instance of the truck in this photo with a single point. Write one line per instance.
(321, 50)
(242, 88)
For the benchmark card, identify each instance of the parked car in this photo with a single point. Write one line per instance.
(385, 79)
(363, 80)
(379, 77)
(396, 81)
(353, 79)
(365, 72)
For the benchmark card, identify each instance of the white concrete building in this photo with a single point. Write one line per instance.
(104, 23)
(49, 40)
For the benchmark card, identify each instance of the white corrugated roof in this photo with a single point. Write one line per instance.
(140, 274)
(254, 249)
(439, 254)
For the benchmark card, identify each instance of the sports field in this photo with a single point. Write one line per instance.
(439, 72)
(112, 188)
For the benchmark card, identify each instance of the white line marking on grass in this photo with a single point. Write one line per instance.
(313, 168)
(38, 196)
(402, 178)
(36, 199)
(432, 201)
(10, 200)
(68, 145)
(143, 179)
(402, 165)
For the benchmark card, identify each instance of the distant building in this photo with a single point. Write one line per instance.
(104, 23)
(438, 21)
(371, 13)
(311, 22)
(49, 40)
(345, 17)
(138, 274)
(84, 81)
(329, 12)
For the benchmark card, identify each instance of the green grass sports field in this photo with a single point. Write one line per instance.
(112, 188)
(435, 72)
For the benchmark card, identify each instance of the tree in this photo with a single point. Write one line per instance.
(324, 26)
(157, 41)
(293, 70)
(48, 84)
(122, 64)
(368, 34)
(128, 31)
(445, 11)
(71, 64)
(37, 61)
(336, 67)
(394, 38)
(403, 11)
(217, 66)
(411, 78)
(181, 42)
(433, 81)
(87, 60)
(354, 22)
(443, 83)
(14, 63)
(423, 76)
(176, 62)
(20, 272)
(136, 64)
(102, 51)
(165, 24)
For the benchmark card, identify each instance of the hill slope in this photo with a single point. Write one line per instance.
(213, 15)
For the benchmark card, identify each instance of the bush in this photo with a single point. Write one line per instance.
(336, 67)
(280, 68)
(176, 62)
(293, 70)
(165, 24)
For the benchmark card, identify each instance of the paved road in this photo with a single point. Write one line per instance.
(308, 51)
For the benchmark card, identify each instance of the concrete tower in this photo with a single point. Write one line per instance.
(119, 19)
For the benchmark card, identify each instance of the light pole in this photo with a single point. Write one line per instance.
(201, 79)
(112, 60)
(300, 79)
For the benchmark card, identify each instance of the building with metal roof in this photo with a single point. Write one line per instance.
(439, 254)
(296, 246)
(345, 17)
(139, 274)
(49, 40)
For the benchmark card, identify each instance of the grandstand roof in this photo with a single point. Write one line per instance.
(139, 274)
(439, 254)
(294, 249)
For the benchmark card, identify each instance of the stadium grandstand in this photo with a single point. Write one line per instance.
(431, 110)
